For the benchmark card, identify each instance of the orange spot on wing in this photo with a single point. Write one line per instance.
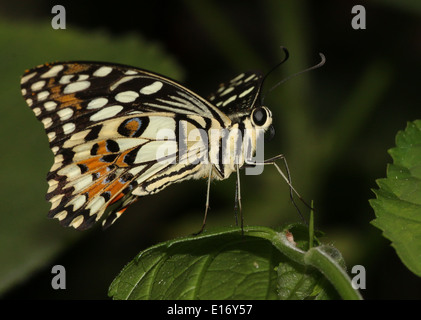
(69, 100)
(102, 149)
(76, 68)
(96, 188)
(64, 100)
(132, 126)
(99, 186)
(116, 187)
(95, 165)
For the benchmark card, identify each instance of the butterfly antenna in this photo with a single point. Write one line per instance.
(285, 50)
(320, 64)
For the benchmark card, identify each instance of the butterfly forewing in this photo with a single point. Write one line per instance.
(102, 121)
(237, 96)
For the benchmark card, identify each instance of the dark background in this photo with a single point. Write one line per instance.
(377, 68)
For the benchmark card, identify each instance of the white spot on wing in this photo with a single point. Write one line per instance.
(126, 96)
(66, 78)
(76, 222)
(52, 72)
(76, 86)
(52, 185)
(231, 99)
(227, 91)
(77, 202)
(47, 122)
(82, 77)
(130, 72)
(77, 137)
(97, 103)
(38, 85)
(61, 216)
(244, 93)
(51, 136)
(69, 128)
(70, 171)
(42, 95)
(152, 88)
(106, 113)
(238, 77)
(103, 71)
(253, 76)
(50, 105)
(65, 114)
(95, 205)
(58, 158)
(55, 201)
(82, 183)
(27, 77)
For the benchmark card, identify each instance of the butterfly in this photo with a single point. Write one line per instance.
(119, 133)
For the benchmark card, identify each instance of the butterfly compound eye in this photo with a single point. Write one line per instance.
(259, 116)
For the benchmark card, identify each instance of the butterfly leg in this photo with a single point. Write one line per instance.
(236, 203)
(207, 204)
(237, 206)
(287, 178)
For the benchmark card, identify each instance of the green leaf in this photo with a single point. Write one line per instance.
(188, 269)
(28, 240)
(398, 203)
(295, 282)
(224, 264)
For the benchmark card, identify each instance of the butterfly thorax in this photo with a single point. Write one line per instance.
(237, 147)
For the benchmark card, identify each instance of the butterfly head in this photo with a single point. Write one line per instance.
(261, 118)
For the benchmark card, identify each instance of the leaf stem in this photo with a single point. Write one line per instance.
(320, 257)
(311, 226)
(323, 261)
